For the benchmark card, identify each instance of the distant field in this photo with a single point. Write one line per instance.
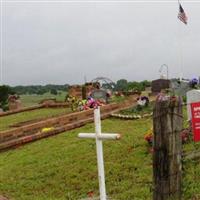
(31, 100)
(43, 113)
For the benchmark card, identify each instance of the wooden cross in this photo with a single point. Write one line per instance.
(99, 147)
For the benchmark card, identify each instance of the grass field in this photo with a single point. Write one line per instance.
(31, 100)
(63, 167)
(43, 113)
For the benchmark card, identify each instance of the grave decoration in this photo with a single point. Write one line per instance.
(98, 136)
(181, 87)
(134, 116)
(47, 129)
(126, 116)
(142, 109)
(194, 83)
(149, 136)
(185, 135)
(85, 104)
(143, 101)
(101, 95)
(73, 101)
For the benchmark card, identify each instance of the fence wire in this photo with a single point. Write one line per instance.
(190, 180)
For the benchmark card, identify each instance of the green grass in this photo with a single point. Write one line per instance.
(64, 167)
(31, 100)
(43, 113)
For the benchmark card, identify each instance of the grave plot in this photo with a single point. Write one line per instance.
(143, 108)
(7, 122)
(65, 166)
(54, 125)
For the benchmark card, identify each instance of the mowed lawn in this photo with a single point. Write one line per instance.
(7, 121)
(64, 167)
(31, 100)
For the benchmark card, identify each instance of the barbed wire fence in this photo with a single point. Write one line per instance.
(176, 167)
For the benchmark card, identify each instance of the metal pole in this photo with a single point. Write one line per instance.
(99, 146)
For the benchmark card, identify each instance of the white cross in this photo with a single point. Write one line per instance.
(99, 146)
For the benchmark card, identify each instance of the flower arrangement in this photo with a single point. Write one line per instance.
(185, 136)
(149, 137)
(143, 101)
(47, 129)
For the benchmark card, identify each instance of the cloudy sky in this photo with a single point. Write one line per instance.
(61, 42)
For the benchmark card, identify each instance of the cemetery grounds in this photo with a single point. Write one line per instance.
(64, 167)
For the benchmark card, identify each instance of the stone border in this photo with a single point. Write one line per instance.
(31, 132)
(51, 105)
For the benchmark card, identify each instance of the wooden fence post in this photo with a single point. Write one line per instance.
(168, 123)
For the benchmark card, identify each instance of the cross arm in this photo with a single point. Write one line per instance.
(102, 136)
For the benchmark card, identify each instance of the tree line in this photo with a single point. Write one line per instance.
(39, 89)
(120, 85)
(124, 85)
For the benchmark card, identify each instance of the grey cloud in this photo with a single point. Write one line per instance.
(62, 42)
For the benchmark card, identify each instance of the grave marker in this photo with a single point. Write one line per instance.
(99, 147)
(100, 94)
(180, 88)
(195, 109)
(192, 97)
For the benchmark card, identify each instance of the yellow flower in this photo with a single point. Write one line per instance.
(47, 129)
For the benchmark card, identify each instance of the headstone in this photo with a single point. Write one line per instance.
(195, 110)
(77, 90)
(99, 95)
(192, 97)
(148, 89)
(14, 102)
(160, 84)
(180, 88)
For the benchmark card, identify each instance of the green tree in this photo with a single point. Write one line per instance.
(53, 91)
(5, 91)
(41, 91)
(122, 85)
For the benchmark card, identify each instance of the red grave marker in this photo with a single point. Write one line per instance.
(195, 110)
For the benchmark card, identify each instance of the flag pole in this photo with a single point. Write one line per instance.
(180, 48)
(180, 53)
(1, 41)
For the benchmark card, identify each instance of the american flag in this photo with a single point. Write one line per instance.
(181, 15)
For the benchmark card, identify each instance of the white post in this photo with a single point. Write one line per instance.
(99, 146)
